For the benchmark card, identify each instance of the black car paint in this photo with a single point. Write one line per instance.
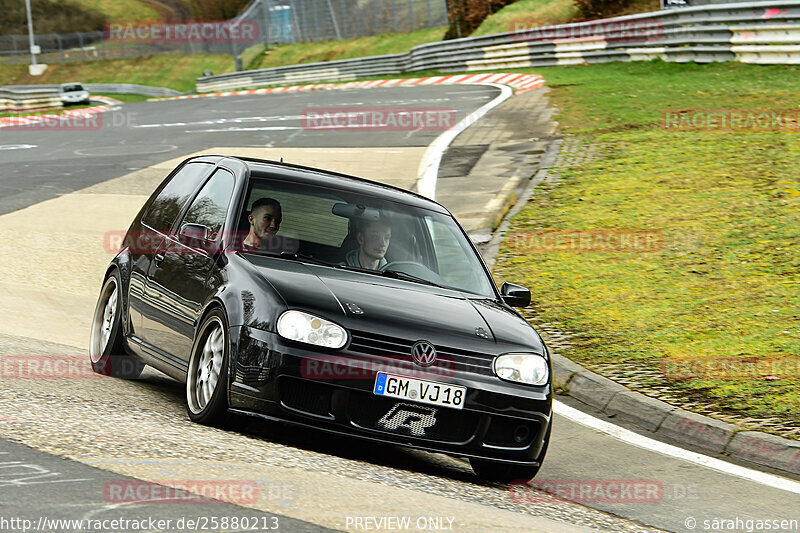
(160, 320)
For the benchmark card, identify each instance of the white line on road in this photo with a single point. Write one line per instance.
(652, 445)
(429, 166)
(17, 146)
(233, 128)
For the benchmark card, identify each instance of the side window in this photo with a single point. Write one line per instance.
(306, 216)
(211, 204)
(169, 203)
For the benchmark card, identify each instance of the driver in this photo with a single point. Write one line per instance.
(265, 220)
(373, 241)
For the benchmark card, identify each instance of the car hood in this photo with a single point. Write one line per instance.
(373, 304)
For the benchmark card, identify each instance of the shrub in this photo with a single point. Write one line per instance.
(595, 9)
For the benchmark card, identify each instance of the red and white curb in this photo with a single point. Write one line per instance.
(521, 82)
(106, 100)
(30, 120)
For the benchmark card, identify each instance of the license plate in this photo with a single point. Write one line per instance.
(419, 390)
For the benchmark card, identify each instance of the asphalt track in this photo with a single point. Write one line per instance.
(129, 428)
(140, 135)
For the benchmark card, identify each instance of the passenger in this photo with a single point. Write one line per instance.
(373, 240)
(265, 221)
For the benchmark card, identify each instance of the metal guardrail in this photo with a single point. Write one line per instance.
(23, 97)
(749, 32)
(19, 99)
(130, 88)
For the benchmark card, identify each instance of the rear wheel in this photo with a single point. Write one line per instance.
(106, 344)
(207, 379)
(506, 473)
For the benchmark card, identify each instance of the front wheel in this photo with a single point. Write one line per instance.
(207, 381)
(106, 345)
(506, 473)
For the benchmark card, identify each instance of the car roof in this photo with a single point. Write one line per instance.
(329, 178)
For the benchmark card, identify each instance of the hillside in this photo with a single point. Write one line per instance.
(66, 16)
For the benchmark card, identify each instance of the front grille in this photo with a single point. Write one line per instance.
(411, 419)
(400, 349)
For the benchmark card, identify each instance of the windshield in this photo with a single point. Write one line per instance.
(71, 88)
(351, 231)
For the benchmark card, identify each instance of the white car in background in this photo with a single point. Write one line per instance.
(73, 93)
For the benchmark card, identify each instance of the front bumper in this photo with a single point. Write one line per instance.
(75, 99)
(500, 421)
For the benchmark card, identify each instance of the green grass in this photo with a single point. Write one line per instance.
(122, 10)
(127, 98)
(295, 54)
(727, 282)
(173, 71)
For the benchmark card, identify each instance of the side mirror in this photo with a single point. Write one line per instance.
(515, 295)
(197, 236)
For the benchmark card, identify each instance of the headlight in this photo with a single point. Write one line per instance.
(303, 327)
(528, 368)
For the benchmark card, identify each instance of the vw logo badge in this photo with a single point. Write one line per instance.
(423, 353)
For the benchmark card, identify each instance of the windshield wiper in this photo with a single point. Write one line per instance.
(304, 258)
(291, 255)
(399, 274)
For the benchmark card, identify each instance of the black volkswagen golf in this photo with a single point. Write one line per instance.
(327, 301)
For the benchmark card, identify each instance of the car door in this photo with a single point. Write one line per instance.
(177, 277)
(149, 235)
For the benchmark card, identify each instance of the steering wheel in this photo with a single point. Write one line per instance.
(398, 265)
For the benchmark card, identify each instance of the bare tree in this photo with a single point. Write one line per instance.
(466, 15)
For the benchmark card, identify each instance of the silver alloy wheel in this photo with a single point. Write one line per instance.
(103, 322)
(206, 366)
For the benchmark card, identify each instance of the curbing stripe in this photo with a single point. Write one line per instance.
(520, 82)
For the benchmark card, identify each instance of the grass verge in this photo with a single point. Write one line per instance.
(375, 45)
(117, 10)
(711, 315)
(173, 71)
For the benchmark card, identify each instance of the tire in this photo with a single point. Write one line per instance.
(506, 473)
(207, 377)
(106, 344)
